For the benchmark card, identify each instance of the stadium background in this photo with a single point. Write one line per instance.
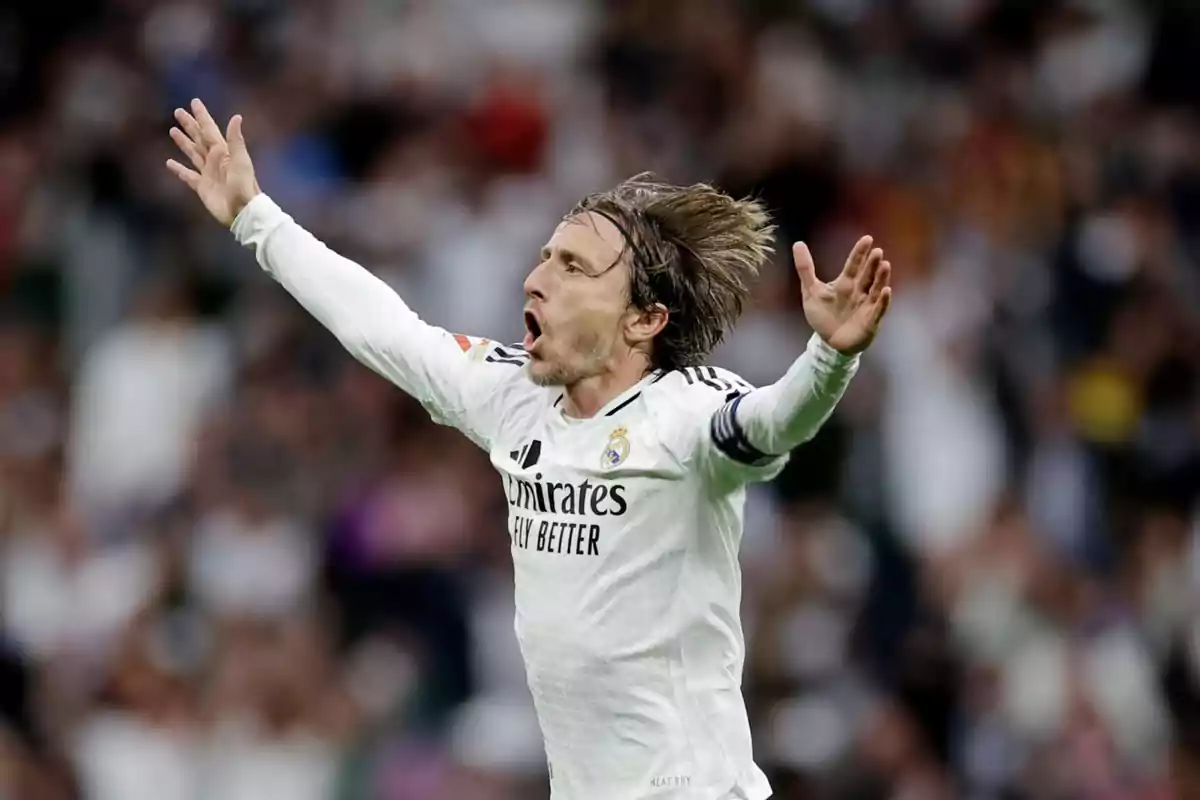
(235, 564)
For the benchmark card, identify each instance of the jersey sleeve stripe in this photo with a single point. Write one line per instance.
(723, 382)
(695, 375)
(710, 381)
(516, 354)
(729, 437)
(492, 359)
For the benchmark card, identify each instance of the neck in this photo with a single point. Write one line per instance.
(584, 398)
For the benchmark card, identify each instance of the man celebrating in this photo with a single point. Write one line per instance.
(624, 458)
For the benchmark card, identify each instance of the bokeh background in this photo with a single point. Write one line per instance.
(235, 564)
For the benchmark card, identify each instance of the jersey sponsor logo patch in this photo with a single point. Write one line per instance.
(616, 450)
(528, 455)
(475, 348)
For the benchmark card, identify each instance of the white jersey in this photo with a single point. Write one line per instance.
(624, 531)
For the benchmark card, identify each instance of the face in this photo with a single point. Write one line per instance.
(577, 313)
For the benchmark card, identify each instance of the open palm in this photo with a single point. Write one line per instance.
(223, 177)
(848, 311)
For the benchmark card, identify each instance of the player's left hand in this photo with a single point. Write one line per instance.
(848, 311)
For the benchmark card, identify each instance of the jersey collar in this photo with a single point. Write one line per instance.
(615, 405)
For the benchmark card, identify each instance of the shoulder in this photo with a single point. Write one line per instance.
(503, 364)
(696, 413)
(703, 389)
(479, 350)
(503, 371)
(683, 402)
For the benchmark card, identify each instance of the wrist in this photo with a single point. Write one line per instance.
(239, 207)
(257, 219)
(828, 354)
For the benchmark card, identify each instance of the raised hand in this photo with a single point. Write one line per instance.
(847, 312)
(223, 177)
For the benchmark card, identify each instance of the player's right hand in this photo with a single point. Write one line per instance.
(223, 177)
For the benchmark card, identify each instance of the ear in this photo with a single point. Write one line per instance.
(642, 325)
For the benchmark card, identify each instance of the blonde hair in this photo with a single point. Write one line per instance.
(692, 249)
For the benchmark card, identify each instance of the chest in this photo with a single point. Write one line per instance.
(600, 450)
(578, 488)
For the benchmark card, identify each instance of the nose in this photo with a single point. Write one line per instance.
(533, 283)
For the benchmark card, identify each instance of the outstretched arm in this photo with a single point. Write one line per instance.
(452, 376)
(766, 423)
(755, 429)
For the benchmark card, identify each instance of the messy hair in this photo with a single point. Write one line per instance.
(692, 249)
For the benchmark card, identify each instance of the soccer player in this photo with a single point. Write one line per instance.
(624, 458)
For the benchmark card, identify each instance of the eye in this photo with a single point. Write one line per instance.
(572, 267)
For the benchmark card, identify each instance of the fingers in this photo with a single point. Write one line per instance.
(858, 257)
(881, 307)
(189, 177)
(881, 281)
(805, 267)
(880, 296)
(208, 126)
(233, 134)
(188, 147)
(866, 277)
(198, 135)
(192, 128)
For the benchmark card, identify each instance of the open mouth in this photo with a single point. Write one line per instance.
(533, 329)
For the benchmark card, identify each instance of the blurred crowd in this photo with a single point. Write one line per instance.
(236, 564)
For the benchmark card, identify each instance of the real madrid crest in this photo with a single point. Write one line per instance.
(616, 450)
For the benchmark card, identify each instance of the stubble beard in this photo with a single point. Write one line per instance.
(557, 374)
(572, 370)
(550, 374)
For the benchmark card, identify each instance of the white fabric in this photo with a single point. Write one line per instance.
(624, 527)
